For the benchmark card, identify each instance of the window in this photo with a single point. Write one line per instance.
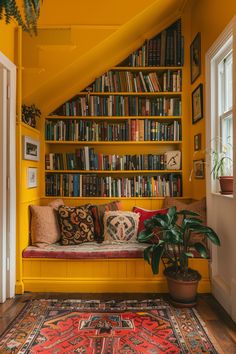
(224, 120)
(221, 109)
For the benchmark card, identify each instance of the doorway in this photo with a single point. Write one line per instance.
(7, 178)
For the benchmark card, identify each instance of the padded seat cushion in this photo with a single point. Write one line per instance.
(91, 250)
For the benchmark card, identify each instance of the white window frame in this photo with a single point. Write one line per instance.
(213, 57)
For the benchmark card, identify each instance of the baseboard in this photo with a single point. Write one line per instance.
(222, 293)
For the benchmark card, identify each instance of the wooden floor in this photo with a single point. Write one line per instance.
(218, 323)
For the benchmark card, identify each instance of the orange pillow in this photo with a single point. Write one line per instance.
(44, 226)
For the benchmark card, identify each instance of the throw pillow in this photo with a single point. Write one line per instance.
(98, 215)
(197, 206)
(44, 226)
(146, 214)
(121, 226)
(76, 224)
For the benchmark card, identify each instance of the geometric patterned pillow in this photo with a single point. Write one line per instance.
(121, 226)
(76, 224)
(98, 211)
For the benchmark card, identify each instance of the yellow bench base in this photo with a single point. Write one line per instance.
(99, 276)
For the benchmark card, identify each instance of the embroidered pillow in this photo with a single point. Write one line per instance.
(98, 215)
(121, 226)
(146, 214)
(197, 206)
(76, 224)
(44, 226)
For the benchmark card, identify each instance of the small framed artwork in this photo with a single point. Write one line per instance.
(197, 142)
(30, 149)
(195, 57)
(197, 104)
(32, 177)
(198, 169)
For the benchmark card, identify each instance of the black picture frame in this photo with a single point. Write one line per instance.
(195, 58)
(197, 104)
(197, 142)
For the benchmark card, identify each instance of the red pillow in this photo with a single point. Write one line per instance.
(146, 214)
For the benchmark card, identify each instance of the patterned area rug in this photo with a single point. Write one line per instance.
(112, 327)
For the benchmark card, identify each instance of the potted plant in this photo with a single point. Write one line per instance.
(222, 166)
(30, 114)
(170, 239)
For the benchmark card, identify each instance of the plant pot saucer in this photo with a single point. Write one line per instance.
(226, 193)
(176, 303)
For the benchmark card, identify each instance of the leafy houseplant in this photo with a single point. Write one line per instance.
(30, 114)
(10, 10)
(171, 244)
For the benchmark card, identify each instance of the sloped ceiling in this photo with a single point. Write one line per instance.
(75, 47)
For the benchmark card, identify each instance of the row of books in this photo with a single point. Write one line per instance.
(87, 159)
(121, 106)
(127, 81)
(78, 185)
(129, 130)
(165, 49)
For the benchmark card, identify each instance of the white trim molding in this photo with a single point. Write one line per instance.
(7, 178)
(221, 211)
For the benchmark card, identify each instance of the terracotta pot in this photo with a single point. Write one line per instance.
(226, 184)
(183, 293)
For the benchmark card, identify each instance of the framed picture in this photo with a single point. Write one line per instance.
(198, 169)
(30, 149)
(197, 142)
(32, 177)
(195, 57)
(197, 104)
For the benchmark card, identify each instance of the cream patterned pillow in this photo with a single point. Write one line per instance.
(120, 226)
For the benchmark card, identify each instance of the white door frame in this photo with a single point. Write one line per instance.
(7, 178)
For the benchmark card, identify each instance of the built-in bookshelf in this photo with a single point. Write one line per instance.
(115, 138)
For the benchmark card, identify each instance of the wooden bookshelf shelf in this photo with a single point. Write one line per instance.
(113, 117)
(72, 142)
(161, 93)
(115, 171)
(147, 68)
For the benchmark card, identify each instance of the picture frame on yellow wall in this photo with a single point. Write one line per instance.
(198, 169)
(195, 58)
(32, 177)
(197, 142)
(197, 104)
(30, 149)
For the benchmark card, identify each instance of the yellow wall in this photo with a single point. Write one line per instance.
(209, 17)
(7, 40)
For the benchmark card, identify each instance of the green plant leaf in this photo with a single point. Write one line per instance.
(145, 235)
(157, 252)
(201, 249)
(189, 254)
(171, 211)
(147, 254)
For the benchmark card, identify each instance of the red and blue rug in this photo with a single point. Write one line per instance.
(111, 327)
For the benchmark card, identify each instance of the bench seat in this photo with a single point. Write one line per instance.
(96, 268)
